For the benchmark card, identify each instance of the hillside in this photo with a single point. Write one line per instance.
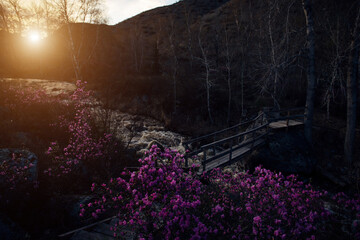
(227, 56)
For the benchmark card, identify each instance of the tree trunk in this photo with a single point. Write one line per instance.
(310, 93)
(351, 86)
(75, 60)
(242, 89)
(207, 78)
(229, 94)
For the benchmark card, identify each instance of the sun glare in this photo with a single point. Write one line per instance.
(34, 37)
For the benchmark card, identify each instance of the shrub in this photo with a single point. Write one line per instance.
(83, 148)
(167, 202)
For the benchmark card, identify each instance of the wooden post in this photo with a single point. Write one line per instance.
(230, 155)
(253, 137)
(204, 160)
(287, 121)
(213, 148)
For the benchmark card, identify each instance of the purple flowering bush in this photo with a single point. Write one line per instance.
(66, 121)
(162, 200)
(15, 173)
(28, 110)
(83, 146)
(346, 212)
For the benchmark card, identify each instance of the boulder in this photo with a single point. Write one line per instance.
(141, 153)
(286, 152)
(21, 138)
(180, 149)
(24, 157)
(9, 230)
(166, 138)
(154, 142)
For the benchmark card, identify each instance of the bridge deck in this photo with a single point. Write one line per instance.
(285, 124)
(277, 119)
(235, 154)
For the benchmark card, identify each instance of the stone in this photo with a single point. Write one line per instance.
(25, 157)
(180, 149)
(21, 138)
(10, 231)
(103, 228)
(286, 152)
(84, 235)
(154, 142)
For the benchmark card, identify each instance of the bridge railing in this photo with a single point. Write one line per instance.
(247, 138)
(288, 114)
(213, 137)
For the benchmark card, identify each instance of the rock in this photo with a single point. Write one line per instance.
(141, 153)
(10, 231)
(286, 152)
(355, 228)
(194, 161)
(208, 153)
(180, 149)
(166, 138)
(75, 207)
(104, 229)
(21, 138)
(84, 235)
(124, 232)
(25, 158)
(332, 177)
(154, 142)
(138, 146)
(156, 128)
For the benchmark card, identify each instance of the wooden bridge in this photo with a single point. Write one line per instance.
(217, 149)
(229, 145)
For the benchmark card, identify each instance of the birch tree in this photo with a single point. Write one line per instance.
(174, 57)
(4, 22)
(71, 11)
(351, 86)
(206, 63)
(310, 93)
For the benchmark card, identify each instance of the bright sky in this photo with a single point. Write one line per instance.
(119, 10)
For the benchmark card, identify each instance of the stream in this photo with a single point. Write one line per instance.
(136, 131)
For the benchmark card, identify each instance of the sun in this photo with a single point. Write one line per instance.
(34, 37)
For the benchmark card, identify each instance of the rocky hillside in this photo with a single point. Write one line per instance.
(198, 57)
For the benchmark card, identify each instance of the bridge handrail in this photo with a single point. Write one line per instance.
(210, 145)
(221, 131)
(289, 109)
(233, 149)
(288, 117)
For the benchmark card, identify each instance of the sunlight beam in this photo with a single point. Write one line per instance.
(34, 37)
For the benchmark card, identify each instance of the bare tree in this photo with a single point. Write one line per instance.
(52, 22)
(15, 15)
(206, 62)
(276, 56)
(174, 62)
(229, 53)
(310, 93)
(37, 11)
(187, 13)
(4, 23)
(334, 78)
(242, 37)
(71, 11)
(137, 46)
(352, 85)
